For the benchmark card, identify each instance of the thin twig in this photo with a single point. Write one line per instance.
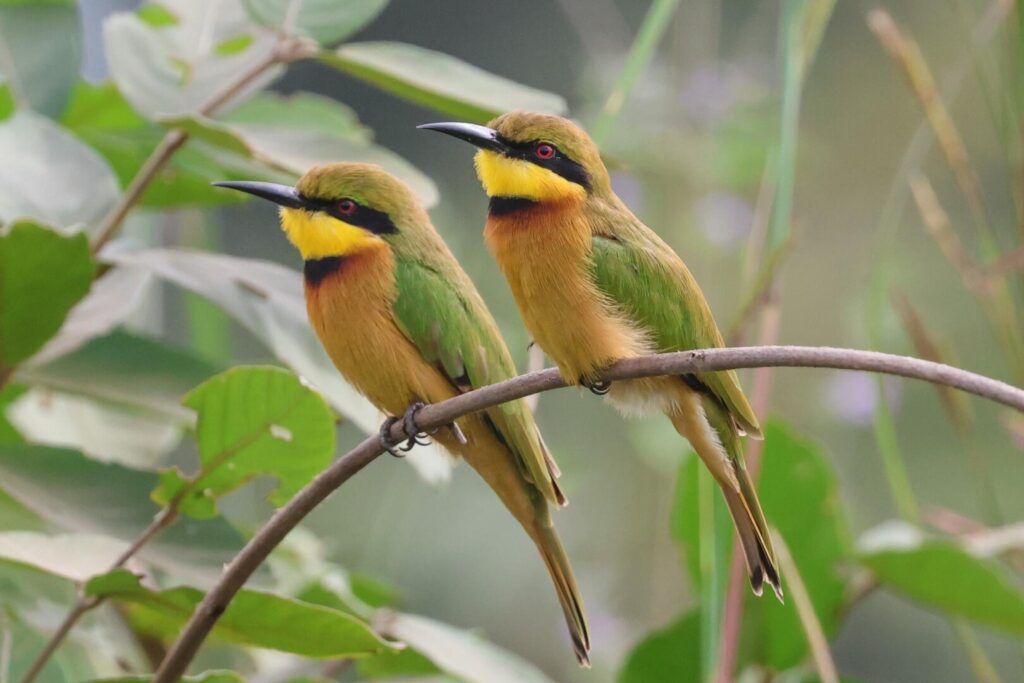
(285, 519)
(84, 603)
(535, 361)
(816, 639)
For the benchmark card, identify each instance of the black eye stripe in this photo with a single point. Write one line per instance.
(377, 222)
(559, 163)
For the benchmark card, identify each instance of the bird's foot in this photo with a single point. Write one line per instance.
(599, 388)
(414, 436)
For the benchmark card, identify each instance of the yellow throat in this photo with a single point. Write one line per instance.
(318, 235)
(502, 176)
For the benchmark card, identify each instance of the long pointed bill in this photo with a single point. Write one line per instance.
(279, 194)
(481, 136)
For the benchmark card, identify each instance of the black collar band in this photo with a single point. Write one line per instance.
(502, 206)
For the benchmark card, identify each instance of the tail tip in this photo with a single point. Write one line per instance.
(758, 578)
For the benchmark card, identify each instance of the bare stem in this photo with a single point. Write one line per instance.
(285, 519)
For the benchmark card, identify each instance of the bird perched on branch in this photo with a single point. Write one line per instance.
(404, 324)
(595, 285)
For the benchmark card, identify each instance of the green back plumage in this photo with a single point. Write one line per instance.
(641, 274)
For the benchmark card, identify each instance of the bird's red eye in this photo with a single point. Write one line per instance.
(346, 207)
(544, 151)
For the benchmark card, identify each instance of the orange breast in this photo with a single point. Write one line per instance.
(545, 253)
(351, 309)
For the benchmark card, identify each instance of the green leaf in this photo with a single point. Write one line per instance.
(9, 393)
(101, 117)
(268, 300)
(232, 46)
(44, 68)
(39, 156)
(42, 275)
(76, 557)
(252, 618)
(173, 70)
(670, 654)
(252, 421)
(326, 21)
(800, 497)
(156, 14)
(439, 81)
(7, 103)
(942, 575)
(407, 663)
(291, 135)
(76, 494)
(460, 653)
(205, 677)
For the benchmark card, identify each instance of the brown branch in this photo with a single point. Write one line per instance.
(433, 416)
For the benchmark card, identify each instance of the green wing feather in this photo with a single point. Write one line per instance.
(442, 314)
(650, 283)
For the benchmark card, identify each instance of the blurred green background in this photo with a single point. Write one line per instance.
(695, 146)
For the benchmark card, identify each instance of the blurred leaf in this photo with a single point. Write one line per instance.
(407, 663)
(461, 653)
(944, 576)
(326, 21)
(252, 618)
(278, 134)
(42, 275)
(233, 46)
(7, 103)
(205, 677)
(103, 431)
(9, 393)
(800, 497)
(304, 110)
(77, 494)
(251, 422)
(439, 81)
(44, 68)
(267, 299)
(75, 557)
(173, 69)
(126, 369)
(41, 157)
(156, 14)
(670, 654)
(100, 116)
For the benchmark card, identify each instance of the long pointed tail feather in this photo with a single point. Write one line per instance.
(557, 562)
(709, 430)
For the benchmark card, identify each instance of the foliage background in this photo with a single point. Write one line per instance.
(697, 130)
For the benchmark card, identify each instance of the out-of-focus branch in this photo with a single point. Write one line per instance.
(430, 417)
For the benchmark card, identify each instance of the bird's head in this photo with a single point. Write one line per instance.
(340, 209)
(538, 157)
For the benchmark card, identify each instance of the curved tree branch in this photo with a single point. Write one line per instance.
(432, 416)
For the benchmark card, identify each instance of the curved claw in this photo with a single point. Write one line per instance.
(386, 443)
(599, 388)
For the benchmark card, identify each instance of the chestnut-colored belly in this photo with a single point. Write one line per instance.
(351, 308)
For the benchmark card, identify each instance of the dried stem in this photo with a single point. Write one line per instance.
(284, 520)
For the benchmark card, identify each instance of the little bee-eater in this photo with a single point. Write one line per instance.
(595, 285)
(404, 324)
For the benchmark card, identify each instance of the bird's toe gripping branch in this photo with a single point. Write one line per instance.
(598, 388)
(414, 437)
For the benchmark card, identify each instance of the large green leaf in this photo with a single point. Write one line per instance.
(439, 81)
(42, 275)
(252, 618)
(800, 497)
(267, 299)
(326, 21)
(251, 422)
(44, 68)
(101, 117)
(76, 557)
(671, 654)
(943, 575)
(460, 653)
(168, 69)
(74, 493)
(41, 158)
(293, 134)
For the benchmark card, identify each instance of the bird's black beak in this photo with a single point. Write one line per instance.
(481, 136)
(279, 194)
